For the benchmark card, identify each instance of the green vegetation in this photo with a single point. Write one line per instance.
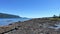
(3, 15)
(55, 18)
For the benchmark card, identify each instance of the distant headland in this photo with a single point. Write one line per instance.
(4, 15)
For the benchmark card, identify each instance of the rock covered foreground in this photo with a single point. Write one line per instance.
(34, 26)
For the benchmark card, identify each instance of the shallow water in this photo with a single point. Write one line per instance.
(4, 21)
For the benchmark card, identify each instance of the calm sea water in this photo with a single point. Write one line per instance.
(4, 21)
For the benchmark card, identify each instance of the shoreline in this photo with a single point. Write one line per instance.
(31, 25)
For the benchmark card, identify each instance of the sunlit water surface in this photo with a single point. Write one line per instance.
(6, 21)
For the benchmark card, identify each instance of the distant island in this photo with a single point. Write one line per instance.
(4, 15)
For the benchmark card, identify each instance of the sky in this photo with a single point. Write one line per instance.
(30, 8)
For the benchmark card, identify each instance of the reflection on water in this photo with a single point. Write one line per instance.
(10, 20)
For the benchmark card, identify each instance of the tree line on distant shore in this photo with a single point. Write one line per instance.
(3, 15)
(55, 16)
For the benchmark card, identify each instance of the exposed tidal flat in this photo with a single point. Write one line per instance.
(33, 26)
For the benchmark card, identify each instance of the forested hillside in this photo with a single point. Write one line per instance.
(3, 15)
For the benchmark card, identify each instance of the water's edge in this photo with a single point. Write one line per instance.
(4, 21)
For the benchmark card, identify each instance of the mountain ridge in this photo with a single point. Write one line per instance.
(4, 15)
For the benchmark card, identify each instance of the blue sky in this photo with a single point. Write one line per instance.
(30, 8)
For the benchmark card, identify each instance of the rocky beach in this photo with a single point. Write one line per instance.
(29, 16)
(33, 26)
